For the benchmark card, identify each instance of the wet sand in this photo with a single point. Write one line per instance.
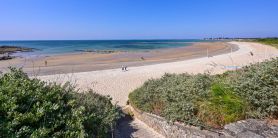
(81, 62)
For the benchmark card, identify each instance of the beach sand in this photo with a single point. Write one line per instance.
(81, 62)
(119, 84)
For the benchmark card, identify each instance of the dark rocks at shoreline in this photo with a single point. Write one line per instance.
(6, 57)
(13, 49)
(99, 51)
(6, 50)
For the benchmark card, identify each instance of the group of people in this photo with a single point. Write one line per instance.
(124, 68)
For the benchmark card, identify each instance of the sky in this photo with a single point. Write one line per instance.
(136, 19)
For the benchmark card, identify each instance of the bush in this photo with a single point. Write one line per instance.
(173, 96)
(258, 84)
(212, 100)
(268, 41)
(33, 108)
(99, 113)
(222, 107)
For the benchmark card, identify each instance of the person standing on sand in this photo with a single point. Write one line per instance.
(45, 63)
(251, 53)
(123, 68)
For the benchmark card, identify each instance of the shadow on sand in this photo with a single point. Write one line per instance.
(124, 128)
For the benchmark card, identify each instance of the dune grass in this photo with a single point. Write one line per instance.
(222, 106)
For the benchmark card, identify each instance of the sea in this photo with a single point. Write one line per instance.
(56, 47)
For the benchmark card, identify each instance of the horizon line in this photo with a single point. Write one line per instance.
(134, 39)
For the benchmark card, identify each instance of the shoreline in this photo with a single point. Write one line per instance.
(87, 61)
(119, 84)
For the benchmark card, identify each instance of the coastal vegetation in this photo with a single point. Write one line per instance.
(212, 100)
(33, 108)
(269, 41)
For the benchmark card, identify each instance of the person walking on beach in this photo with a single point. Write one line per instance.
(123, 68)
(251, 53)
(45, 63)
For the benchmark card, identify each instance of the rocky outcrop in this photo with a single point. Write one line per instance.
(12, 49)
(5, 51)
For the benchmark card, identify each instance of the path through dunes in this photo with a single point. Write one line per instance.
(136, 129)
(119, 84)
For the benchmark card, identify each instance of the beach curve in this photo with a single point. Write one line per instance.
(119, 84)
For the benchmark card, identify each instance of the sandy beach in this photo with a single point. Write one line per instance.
(90, 61)
(119, 84)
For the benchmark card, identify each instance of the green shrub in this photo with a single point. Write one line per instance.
(212, 100)
(258, 84)
(33, 108)
(99, 113)
(173, 96)
(269, 41)
(222, 107)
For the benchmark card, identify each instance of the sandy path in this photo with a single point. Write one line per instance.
(119, 84)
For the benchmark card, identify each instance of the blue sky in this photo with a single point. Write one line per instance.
(136, 19)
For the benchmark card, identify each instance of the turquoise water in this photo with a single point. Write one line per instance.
(52, 47)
